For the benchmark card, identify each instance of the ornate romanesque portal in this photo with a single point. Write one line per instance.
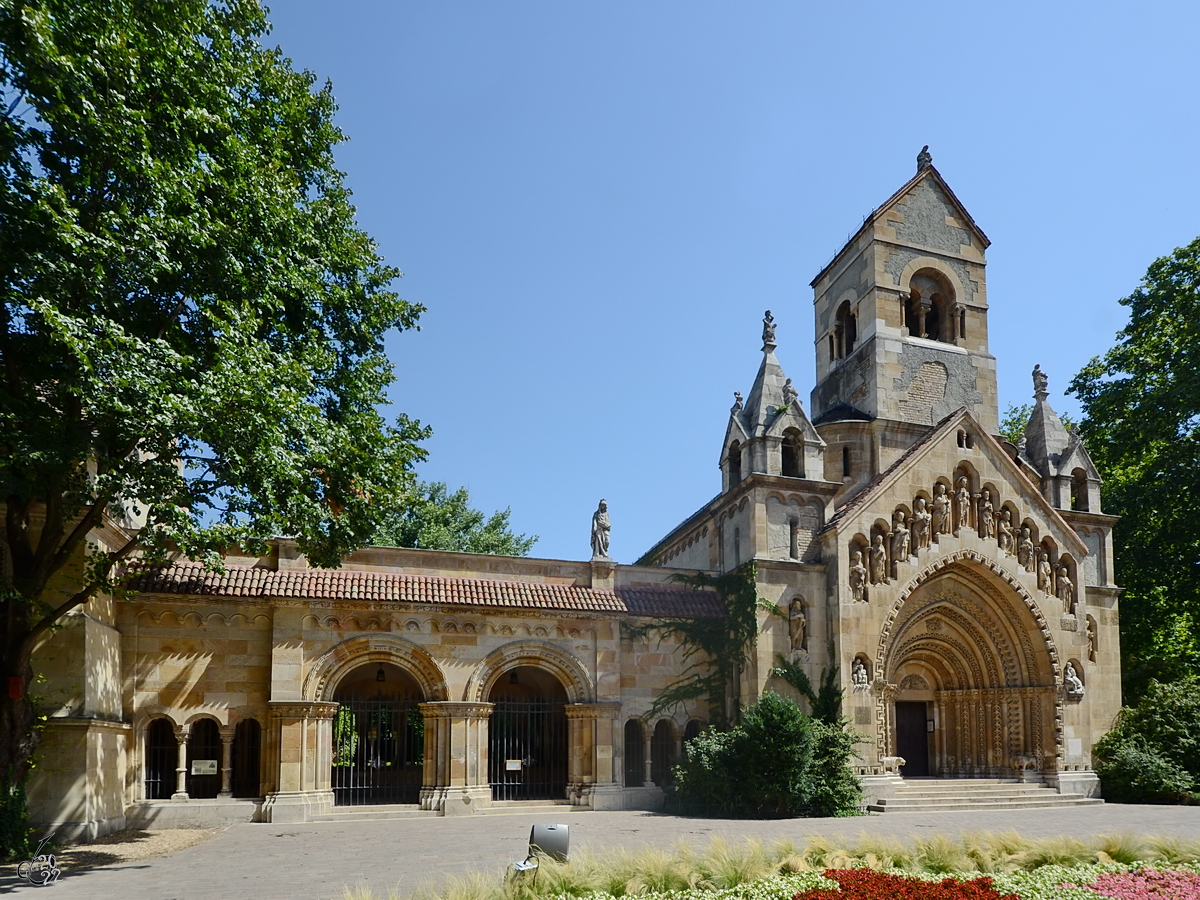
(969, 687)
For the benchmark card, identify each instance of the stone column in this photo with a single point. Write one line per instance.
(181, 739)
(648, 738)
(226, 762)
(591, 774)
(302, 735)
(455, 776)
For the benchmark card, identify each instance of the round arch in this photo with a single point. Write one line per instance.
(939, 266)
(539, 654)
(329, 668)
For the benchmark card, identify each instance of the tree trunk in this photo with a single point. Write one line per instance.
(18, 728)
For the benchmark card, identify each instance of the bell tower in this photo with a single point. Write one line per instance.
(901, 317)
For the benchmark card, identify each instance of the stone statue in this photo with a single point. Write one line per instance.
(900, 538)
(940, 511)
(1091, 638)
(1045, 574)
(1040, 382)
(768, 329)
(963, 497)
(920, 525)
(737, 403)
(791, 396)
(1004, 532)
(1071, 681)
(924, 158)
(987, 515)
(1065, 590)
(1026, 558)
(858, 675)
(858, 577)
(878, 558)
(798, 624)
(601, 526)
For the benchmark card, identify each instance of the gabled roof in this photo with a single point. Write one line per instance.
(193, 580)
(927, 172)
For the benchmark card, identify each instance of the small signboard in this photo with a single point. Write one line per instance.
(204, 767)
(512, 765)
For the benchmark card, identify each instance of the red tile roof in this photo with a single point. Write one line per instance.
(192, 579)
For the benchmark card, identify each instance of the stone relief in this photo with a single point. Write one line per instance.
(878, 560)
(940, 511)
(1071, 681)
(987, 515)
(1091, 639)
(1026, 557)
(921, 525)
(900, 538)
(914, 683)
(858, 676)
(1004, 532)
(798, 625)
(962, 497)
(858, 577)
(601, 526)
(1045, 574)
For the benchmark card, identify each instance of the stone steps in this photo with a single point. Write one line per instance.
(939, 795)
(382, 811)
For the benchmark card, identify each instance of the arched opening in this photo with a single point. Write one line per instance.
(930, 307)
(735, 463)
(845, 462)
(792, 454)
(378, 737)
(247, 754)
(1079, 491)
(846, 331)
(162, 754)
(527, 736)
(204, 760)
(662, 751)
(935, 318)
(635, 765)
(692, 730)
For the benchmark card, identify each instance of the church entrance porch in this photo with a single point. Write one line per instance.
(912, 739)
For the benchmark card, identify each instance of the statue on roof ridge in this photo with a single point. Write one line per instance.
(1041, 382)
(791, 396)
(924, 158)
(737, 403)
(768, 330)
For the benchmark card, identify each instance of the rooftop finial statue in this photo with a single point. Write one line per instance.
(601, 526)
(924, 158)
(1041, 383)
(768, 329)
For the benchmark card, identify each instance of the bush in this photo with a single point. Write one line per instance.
(1131, 773)
(777, 763)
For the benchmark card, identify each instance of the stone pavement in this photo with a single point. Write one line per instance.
(315, 861)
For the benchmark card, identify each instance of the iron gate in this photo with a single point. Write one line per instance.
(378, 750)
(527, 749)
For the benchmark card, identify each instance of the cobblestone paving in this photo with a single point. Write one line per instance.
(315, 862)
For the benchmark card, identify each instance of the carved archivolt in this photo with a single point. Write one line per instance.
(335, 663)
(193, 619)
(543, 655)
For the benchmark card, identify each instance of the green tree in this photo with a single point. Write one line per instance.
(1015, 418)
(1141, 406)
(439, 520)
(193, 323)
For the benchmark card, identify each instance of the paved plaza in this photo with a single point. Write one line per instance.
(315, 861)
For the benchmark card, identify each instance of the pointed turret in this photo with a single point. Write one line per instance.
(1069, 478)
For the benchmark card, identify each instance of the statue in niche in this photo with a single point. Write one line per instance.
(900, 538)
(878, 560)
(1040, 382)
(1071, 681)
(791, 396)
(798, 625)
(987, 515)
(601, 526)
(920, 525)
(1026, 558)
(962, 496)
(1004, 532)
(940, 511)
(1091, 639)
(737, 403)
(1045, 574)
(858, 577)
(768, 328)
(1065, 590)
(858, 676)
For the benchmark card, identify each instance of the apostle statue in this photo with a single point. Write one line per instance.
(921, 525)
(1091, 638)
(791, 396)
(987, 515)
(858, 577)
(1071, 681)
(1026, 557)
(1045, 574)
(601, 526)
(1004, 532)
(797, 624)
(858, 675)
(962, 497)
(878, 560)
(1065, 590)
(900, 538)
(768, 328)
(1040, 382)
(940, 510)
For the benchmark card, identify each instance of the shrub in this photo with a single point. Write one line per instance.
(1165, 724)
(866, 884)
(777, 763)
(1131, 773)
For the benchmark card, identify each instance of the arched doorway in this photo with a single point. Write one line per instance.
(527, 736)
(378, 737)
(970, 679)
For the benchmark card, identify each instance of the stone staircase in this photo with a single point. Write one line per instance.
(976, 794)
(411, 811)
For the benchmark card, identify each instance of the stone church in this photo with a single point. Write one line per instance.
(961, 585)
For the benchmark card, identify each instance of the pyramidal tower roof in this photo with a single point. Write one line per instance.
(767, 393)
(1046, 441)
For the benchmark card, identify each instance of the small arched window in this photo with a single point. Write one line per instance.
(792, 454)
(845, 462)
(1079, 491)
(162, 753)
(635, 765)
(735, 463)
(692, 730)
(846, 331)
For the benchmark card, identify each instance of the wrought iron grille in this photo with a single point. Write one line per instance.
(527, 749)
(162, 754)
(378, 750)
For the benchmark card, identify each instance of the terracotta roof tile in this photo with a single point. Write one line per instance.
(191, 579)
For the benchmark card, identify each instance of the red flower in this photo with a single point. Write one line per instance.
(867, 884)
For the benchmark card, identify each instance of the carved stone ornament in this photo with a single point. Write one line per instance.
(858, 676)
(1091, 639)
(891, 764)
(878, 560)
(737, 403)
(858, 577)
(1072, 682)
(914, 682)
(601, 526)
(921, 525)
(940, 510)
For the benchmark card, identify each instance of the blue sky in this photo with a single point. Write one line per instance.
(596, 202)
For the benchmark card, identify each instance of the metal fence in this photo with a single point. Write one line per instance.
(378, 749)
(527, 749)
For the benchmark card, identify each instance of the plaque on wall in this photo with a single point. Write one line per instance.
(204, 767)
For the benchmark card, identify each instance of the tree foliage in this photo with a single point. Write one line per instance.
(825, 702)
(440, 520)
(192, 326)
(1141, 405)
(1016, 417)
